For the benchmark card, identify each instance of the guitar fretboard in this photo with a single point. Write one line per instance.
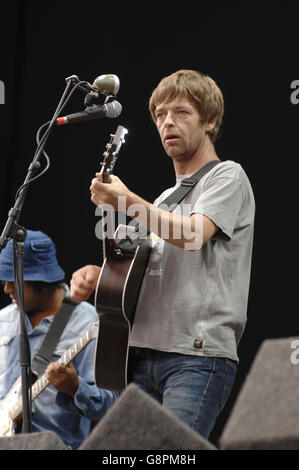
(67, 357)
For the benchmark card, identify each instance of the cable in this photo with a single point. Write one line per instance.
(40, 142)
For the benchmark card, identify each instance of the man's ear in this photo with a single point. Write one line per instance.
(209, 126)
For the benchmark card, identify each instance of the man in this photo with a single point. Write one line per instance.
(191, 311)
(69, 408)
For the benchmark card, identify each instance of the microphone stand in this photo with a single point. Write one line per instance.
(18, 233)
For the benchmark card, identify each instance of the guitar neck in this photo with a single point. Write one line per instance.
(110, 157)
(66, 358)
(105, 176)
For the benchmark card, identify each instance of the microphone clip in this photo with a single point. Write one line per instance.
(82, 85)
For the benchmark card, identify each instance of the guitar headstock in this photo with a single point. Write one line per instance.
(111, 153)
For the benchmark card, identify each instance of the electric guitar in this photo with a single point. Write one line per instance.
(11, 408)
(125, 261)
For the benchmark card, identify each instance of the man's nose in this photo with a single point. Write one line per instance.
(9, 287)
(169, 119)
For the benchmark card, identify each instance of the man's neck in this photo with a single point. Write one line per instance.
(50, 306)
(197, 161)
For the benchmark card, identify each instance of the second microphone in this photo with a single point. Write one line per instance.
(111, 109)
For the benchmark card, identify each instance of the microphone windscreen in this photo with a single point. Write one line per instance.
(114, 109)
(107, 84)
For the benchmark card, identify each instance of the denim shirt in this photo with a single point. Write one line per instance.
(69, 417)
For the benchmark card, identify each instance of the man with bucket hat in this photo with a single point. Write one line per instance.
(71, 401)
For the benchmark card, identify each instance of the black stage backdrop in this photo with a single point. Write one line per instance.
(253, 56)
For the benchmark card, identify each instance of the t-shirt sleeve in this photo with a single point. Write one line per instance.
(221, 201)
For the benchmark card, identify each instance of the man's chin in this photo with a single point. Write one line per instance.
(174, 153)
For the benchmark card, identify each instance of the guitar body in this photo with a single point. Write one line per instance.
(115, 301)
(7, 425)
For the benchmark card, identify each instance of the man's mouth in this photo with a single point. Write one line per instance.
(171, 138)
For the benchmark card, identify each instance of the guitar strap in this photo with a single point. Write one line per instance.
(187, 185)
(43, 357)
(181, 192)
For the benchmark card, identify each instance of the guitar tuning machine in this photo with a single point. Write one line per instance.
(105, 154)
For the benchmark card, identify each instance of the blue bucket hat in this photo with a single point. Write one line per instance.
(40, 263)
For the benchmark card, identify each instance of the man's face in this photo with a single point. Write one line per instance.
(30, 297)
(180, 128)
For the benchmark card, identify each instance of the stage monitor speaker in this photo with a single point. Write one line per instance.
(45, 440)
(138, 422)
(266, 413)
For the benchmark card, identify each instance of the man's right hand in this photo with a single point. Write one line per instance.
(84, 281)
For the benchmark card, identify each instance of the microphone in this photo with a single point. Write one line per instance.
(107, 85)
(111, 109)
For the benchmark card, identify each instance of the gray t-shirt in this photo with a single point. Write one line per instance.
(195, 302)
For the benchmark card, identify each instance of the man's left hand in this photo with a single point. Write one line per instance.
(63, 378)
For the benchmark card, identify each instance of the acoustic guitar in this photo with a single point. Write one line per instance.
(125, 261)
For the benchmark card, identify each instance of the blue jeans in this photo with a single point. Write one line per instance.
(194, 388)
